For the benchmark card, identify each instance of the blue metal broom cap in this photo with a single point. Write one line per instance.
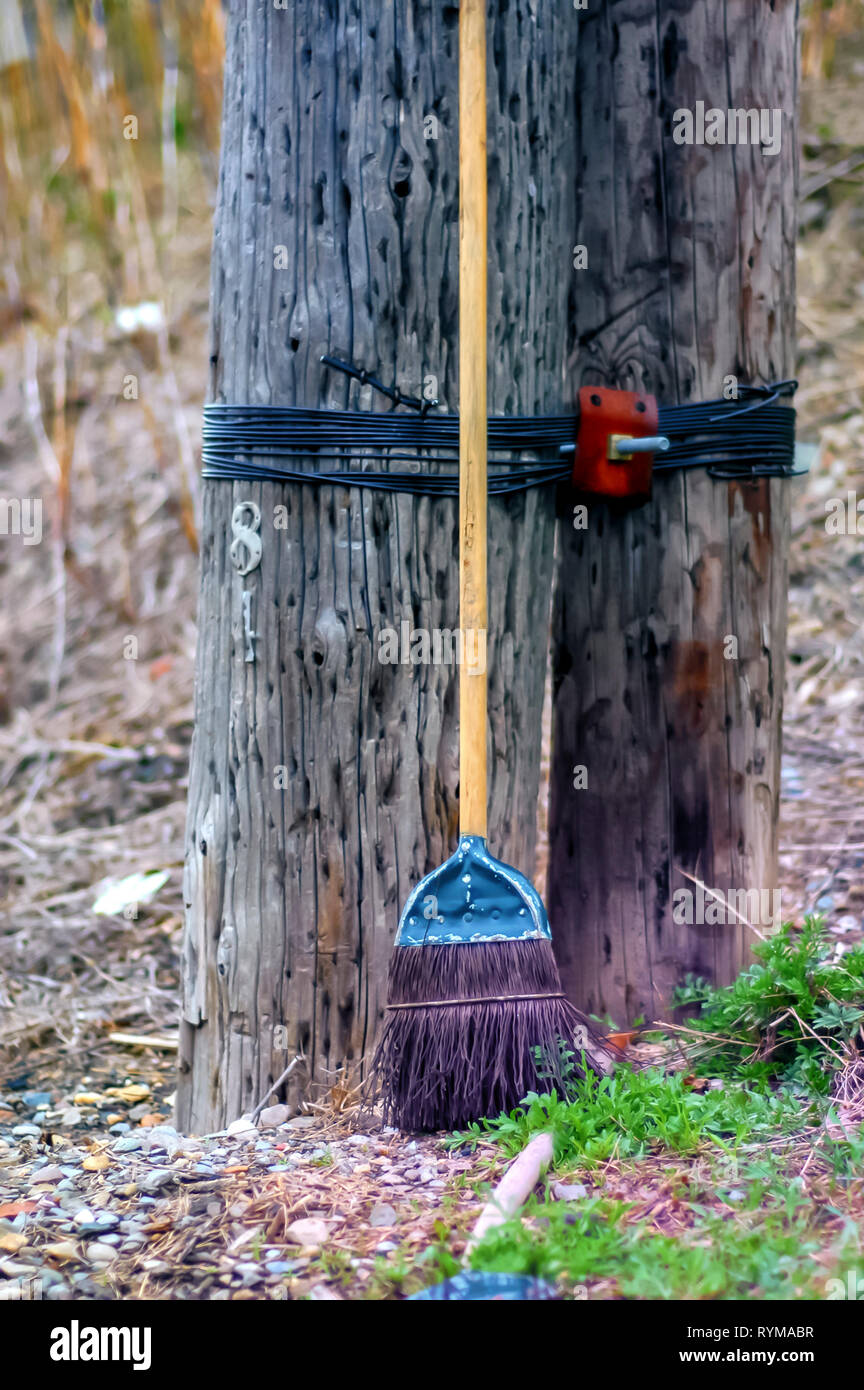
(475, 1286)
(473, 897)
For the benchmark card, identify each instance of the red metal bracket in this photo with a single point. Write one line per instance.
(604, 417)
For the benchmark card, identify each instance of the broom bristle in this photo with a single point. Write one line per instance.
(442, 1065)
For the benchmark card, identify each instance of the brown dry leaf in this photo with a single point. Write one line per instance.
(162, 1223)
(15, 1208)
(622, 1040)
(695, 1083)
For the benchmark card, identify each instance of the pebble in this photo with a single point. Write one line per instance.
(103, 1221)
(570, 1192)
(307, 1231)
(51, 1173)
(243, 1125)
(274, 1116)
(302, 1122)
(129, 1143)
(164, 1140)
(62, 1250)
(33, 1099)
(101, 1253)
(26, 1131)
(382, 1215)
(156, 1179)
(10, 1244)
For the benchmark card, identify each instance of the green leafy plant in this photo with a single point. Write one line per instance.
(764, 1251)
(635, 1113)
(790, 1016)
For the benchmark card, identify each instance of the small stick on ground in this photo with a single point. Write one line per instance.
(275, 1087)
(514, 1188)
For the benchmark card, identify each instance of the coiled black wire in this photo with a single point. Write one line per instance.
(752, 436)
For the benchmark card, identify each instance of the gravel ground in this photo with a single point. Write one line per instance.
(101, 1198)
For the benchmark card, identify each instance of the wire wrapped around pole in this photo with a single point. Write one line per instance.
(752, 436)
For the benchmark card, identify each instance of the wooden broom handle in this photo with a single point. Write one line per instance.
(473, 497)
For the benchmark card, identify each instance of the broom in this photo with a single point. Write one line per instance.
(474, 990)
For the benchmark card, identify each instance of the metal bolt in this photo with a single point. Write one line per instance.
(648, 444)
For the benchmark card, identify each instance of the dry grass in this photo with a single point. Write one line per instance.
(93, 739)
(822, 815)
(100, 422)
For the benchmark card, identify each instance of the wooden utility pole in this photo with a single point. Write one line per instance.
(670, 621)
(323, 783)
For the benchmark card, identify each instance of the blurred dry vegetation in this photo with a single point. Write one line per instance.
(104, 264)
(104, 268)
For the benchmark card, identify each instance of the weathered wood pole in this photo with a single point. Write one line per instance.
(323, 783)
(690, 279)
